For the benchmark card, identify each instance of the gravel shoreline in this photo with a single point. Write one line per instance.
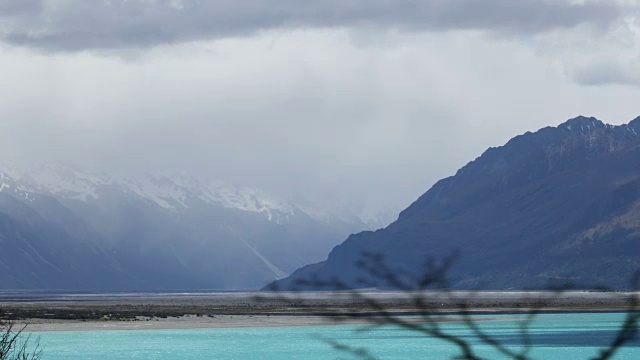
(126, 311)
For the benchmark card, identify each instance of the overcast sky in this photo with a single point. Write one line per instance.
(360, 102)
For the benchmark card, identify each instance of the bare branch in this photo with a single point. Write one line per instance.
(430, 288)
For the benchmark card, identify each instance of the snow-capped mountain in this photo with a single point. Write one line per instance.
(155, 231)
(174, 192)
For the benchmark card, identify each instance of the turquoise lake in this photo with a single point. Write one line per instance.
(555, 336)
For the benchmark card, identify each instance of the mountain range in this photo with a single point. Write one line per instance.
(63, 228)
(560, 206)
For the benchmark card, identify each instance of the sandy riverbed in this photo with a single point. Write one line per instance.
(184, 322)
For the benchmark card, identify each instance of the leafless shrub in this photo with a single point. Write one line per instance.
(16, 345)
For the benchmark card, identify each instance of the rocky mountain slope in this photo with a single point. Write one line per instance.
(61, 228)
(558, 206)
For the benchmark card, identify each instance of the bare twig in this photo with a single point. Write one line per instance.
(15, 345)
(419, 292)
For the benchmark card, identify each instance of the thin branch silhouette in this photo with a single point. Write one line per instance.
(16, 345)
(425, 290)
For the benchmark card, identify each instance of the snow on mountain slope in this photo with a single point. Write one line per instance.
(251, 200)
(172, 192)
(56, 180)
(8, 185)
(175, 191)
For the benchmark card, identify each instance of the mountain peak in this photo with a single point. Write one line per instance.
(582, 123)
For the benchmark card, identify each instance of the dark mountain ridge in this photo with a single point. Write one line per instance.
(561, 205)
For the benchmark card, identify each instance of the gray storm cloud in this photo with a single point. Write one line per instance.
(353, 100)
(73, 25)
(611, 72)
(20, 7)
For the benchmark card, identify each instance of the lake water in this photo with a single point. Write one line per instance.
(555, 336)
